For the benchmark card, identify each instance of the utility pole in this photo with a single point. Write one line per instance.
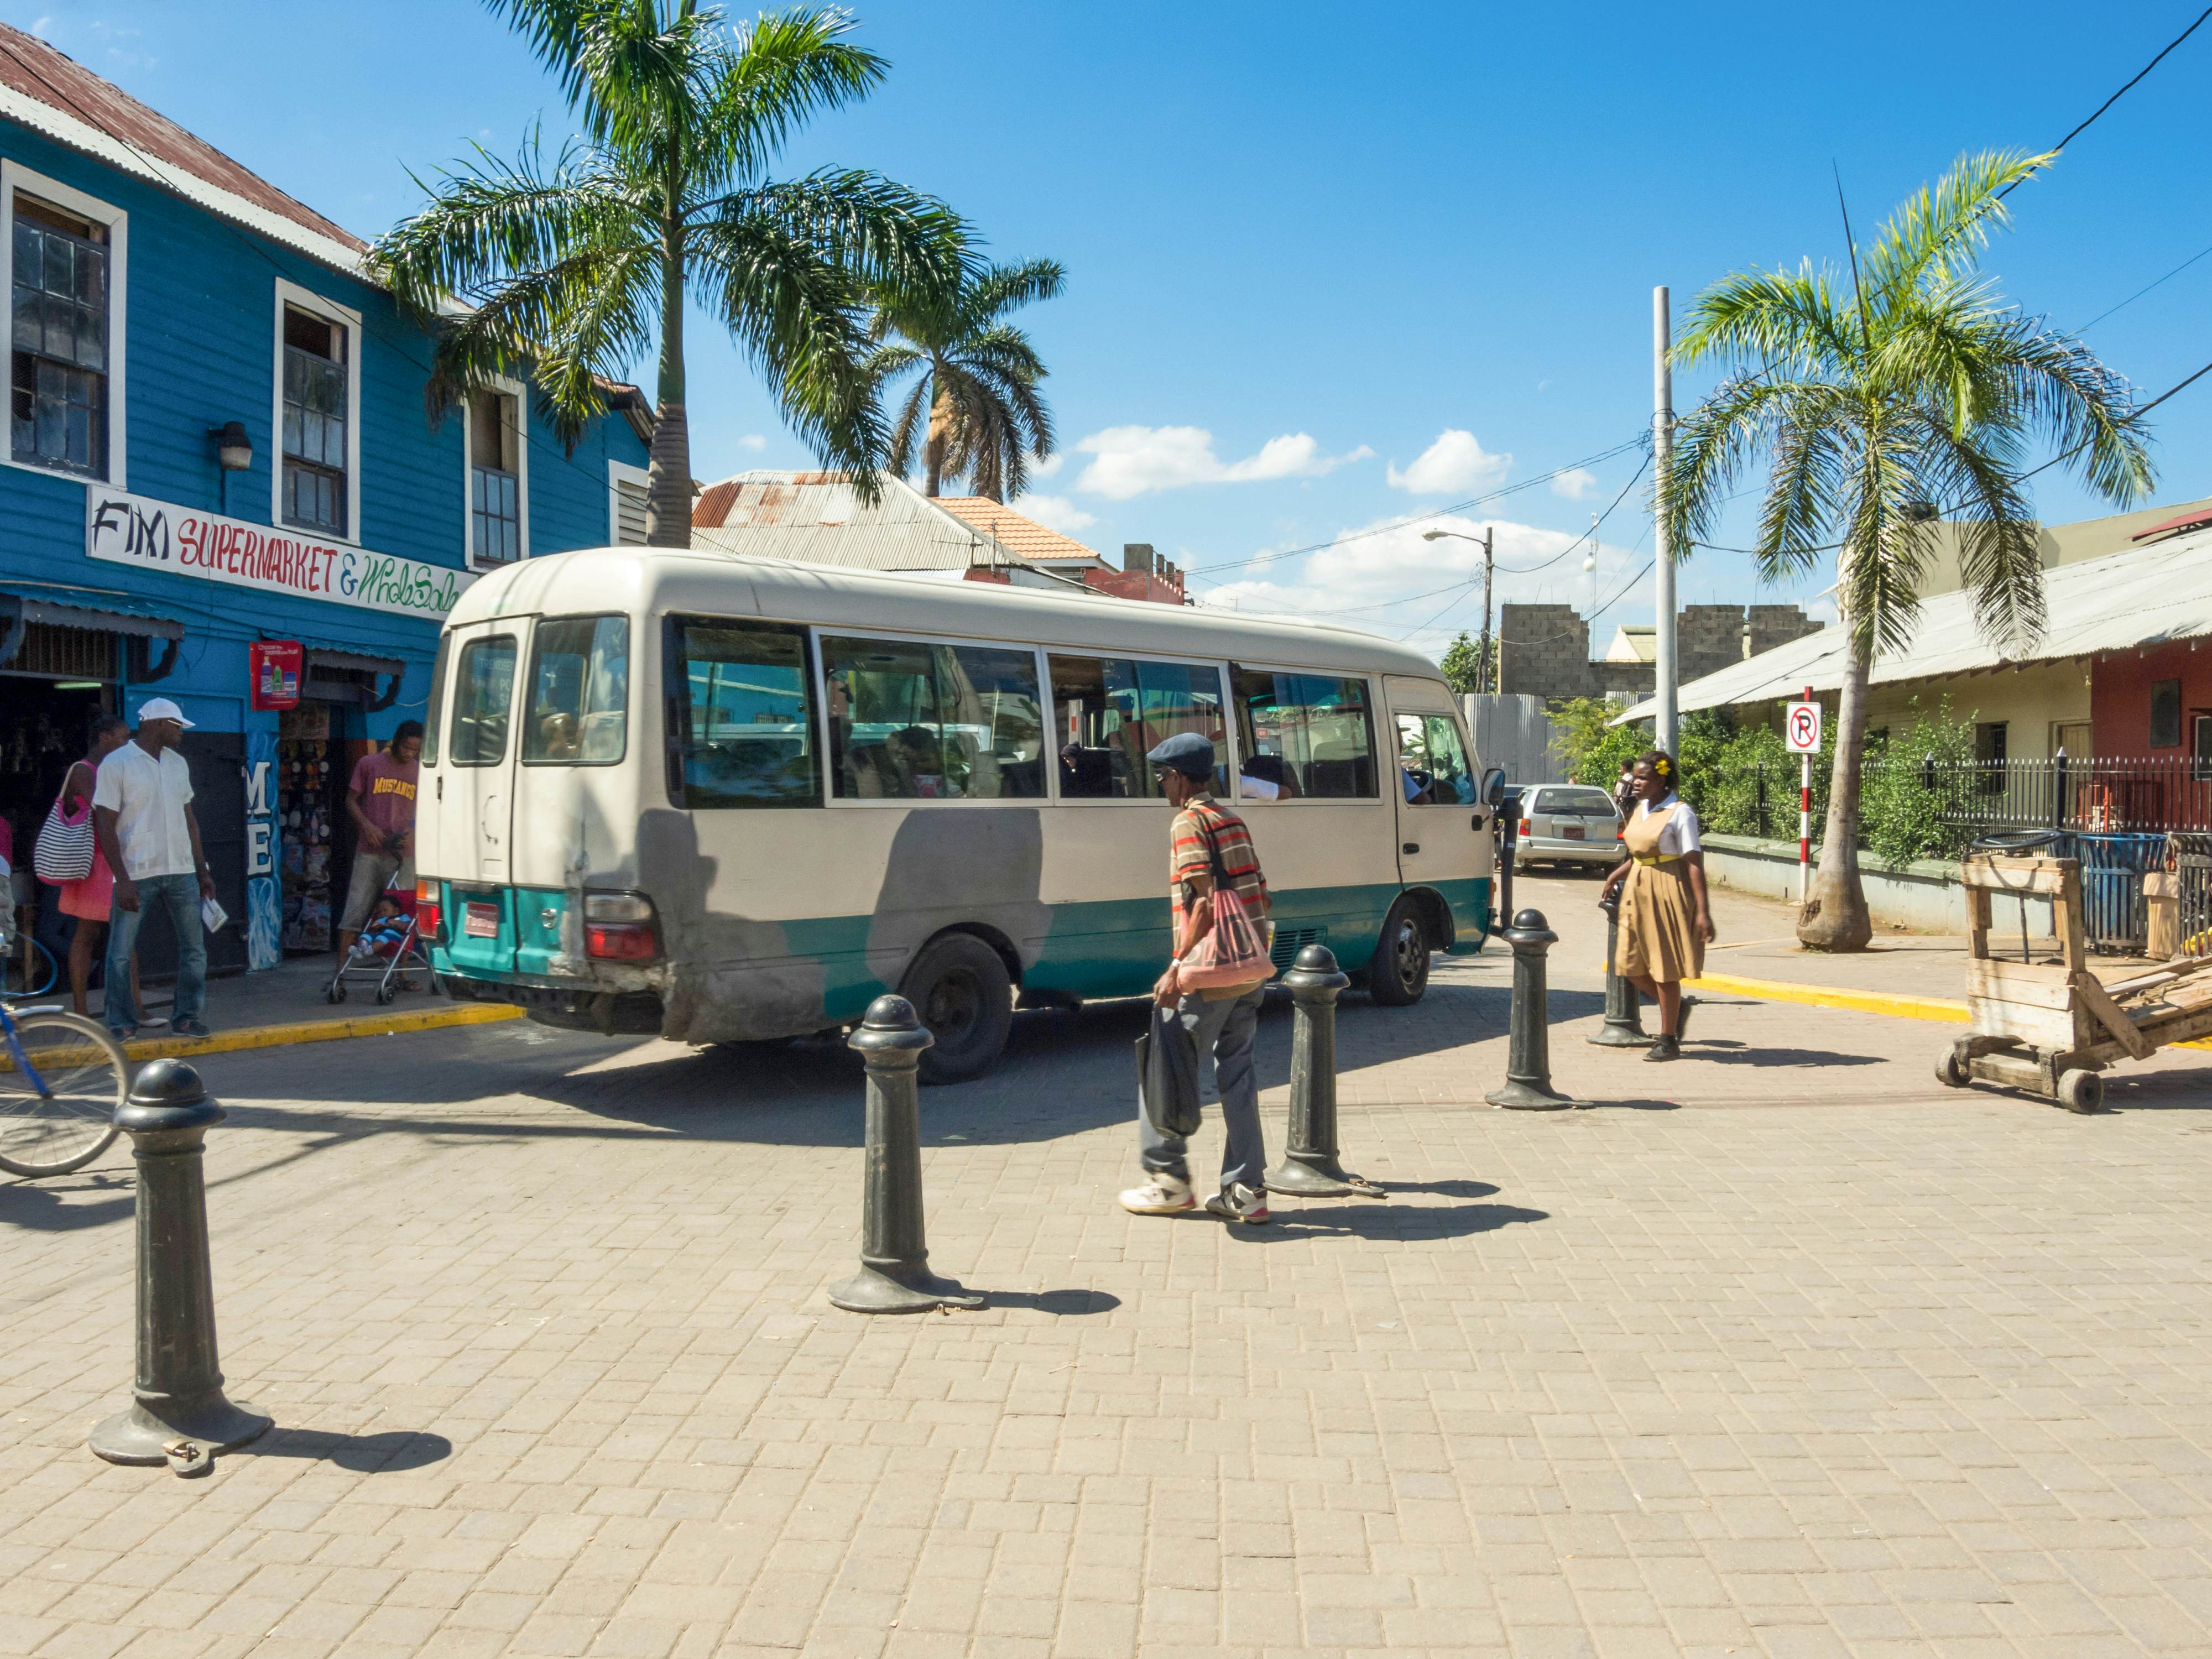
(1669, 725)
(1488, 681)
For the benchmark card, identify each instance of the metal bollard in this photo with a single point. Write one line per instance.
(1624, 1013)
(1310, 1167)
(1528, 1086)
(179, 1415)
(894, 1276)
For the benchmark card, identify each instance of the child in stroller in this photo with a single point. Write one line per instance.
(388, 948)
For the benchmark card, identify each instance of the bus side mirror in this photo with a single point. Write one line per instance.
(1493, 785)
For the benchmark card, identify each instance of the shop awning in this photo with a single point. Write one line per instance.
(109, 610)
(318, 656)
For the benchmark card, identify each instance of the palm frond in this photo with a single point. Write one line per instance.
(1941, 234)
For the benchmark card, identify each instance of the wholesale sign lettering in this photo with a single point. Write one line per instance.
(152, 535)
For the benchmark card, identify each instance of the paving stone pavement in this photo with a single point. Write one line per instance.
(1782, 1350)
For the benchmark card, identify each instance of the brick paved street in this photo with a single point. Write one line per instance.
(1783, 1351)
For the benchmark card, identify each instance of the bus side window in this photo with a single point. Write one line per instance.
(742, 728)
(910, 721)
(1109, 712)
(1313, 729)
(579, 692)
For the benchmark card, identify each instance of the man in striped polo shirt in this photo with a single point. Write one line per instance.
(1187, 1022)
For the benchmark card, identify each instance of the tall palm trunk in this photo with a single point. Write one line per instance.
(1835, 916)
(939, 444)
(668, 495)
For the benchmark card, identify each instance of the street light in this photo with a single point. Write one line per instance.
(1482, 660)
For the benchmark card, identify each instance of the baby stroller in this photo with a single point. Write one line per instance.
(389, 948)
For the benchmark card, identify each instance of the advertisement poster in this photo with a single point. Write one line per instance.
(274, 666)
(264, 889)
(134, 530)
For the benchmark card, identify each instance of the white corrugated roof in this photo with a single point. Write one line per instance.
(2144, 596)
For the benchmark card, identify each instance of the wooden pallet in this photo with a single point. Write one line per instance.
(2051, 1026)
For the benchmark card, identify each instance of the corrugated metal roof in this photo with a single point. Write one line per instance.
(2144, 596)
(118, 612)
(816, 518)
(49, 91)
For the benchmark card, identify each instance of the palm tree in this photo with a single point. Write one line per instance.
(1914, 392)
(978, 382)
(577, 269)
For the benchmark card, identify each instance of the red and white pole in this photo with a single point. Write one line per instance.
(1805, 820)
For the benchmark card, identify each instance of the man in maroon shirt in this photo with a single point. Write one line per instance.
(381, 800)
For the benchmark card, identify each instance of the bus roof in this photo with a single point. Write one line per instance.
(661, 579)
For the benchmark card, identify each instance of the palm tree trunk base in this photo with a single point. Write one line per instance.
(1834, 917)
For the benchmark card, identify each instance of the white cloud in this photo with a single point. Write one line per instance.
(1133, 460)
(1456, 461)
(1390, 581)
(752, 440)
(1574, 483)
(1055, 513)
(1050, 465)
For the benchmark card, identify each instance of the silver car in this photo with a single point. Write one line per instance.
(1567, 823)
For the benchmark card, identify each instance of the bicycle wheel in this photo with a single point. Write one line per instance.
(28, 971)
(59, 1114)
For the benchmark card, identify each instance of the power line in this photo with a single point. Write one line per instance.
(2144, 290)
(1638, 441)
(2121, 93)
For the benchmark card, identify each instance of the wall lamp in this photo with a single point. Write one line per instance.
(231, 446)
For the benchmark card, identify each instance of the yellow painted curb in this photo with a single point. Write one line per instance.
(323, 1030)
(1942, 1009)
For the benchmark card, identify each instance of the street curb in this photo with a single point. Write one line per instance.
(1942, 1009)
(322, 1031)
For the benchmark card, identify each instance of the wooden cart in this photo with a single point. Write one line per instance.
(2045, 1023)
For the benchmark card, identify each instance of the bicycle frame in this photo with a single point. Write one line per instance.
(16, 1053)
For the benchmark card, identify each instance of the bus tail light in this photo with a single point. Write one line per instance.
(620, 928)
(429, 917)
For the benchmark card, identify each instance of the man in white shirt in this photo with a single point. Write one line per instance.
(142, 815)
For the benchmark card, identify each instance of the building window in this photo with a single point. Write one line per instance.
(2166, 714)
(495, 478)
(316, 407)
(2201, 748)
(59, 270)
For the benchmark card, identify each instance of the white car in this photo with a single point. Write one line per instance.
(1567, 823)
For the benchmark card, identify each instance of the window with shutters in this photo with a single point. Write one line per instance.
(626, 491)
(62, 253)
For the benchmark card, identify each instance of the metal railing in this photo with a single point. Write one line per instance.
(2092, 795)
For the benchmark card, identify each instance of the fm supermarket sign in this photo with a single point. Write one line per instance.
(132, 530)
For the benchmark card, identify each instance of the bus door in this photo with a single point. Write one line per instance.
(475, 795)
(1444, 830)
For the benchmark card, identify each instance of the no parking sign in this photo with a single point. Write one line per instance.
(1801, 729)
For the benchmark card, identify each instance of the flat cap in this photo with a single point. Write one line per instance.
(1186, 752)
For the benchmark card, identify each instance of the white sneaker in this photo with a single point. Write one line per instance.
(1162, 1195)
(1237, 1202)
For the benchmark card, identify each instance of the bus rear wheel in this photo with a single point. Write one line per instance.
(1400, 973)
(965, 997)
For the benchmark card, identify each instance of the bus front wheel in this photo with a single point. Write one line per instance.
(961, 992)
(1400, 973)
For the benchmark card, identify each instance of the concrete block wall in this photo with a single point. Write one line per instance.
(1544, 649)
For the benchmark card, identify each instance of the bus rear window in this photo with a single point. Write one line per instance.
(483, 696)
(434, 722)
(741, 717)
(579, 692)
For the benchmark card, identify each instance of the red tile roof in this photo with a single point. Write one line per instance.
(31, 68)
(1015, 531)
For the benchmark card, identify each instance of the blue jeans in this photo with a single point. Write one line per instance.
(180, 896)
(1226, 1027)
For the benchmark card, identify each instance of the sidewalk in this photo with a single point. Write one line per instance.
(287, 1005)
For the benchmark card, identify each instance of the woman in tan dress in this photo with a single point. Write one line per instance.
(1665, 921)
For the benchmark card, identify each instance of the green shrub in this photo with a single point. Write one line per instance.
(1901, 799)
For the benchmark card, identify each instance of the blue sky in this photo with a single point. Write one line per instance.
(1330, 266)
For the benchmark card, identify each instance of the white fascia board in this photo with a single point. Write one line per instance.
(78, 135)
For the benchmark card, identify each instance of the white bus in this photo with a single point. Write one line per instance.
(722, 799)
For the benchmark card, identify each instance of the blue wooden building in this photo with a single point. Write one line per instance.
(218, 437)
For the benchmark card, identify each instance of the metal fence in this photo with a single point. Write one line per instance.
(2086, 796)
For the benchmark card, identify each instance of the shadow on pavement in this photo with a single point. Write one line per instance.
(42, 1206)
(1064, 1073)
(1715, 1054)
(1054, 1302)
(1405, 1224)
(393, 1452)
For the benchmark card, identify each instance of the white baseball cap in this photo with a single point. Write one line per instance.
(162, 708)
